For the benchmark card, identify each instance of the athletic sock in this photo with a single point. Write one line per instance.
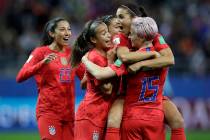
(178, 134)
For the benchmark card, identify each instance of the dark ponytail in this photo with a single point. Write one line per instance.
(143, 12)
(107, 19)
(50, 27)
(133, 10)
(83, 42)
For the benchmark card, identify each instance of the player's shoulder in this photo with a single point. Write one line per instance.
(96, 57)
(41, 49)
(93, 54)
(159, 38)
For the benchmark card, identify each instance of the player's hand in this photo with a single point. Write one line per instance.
(49, 58)
(134, 68)
(157, 54)
(111, 55)
(106, 88)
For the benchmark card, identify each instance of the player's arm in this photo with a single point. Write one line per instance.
(100, 73)
(128, 57)
(166, 59)
(32, 65)
(111, 55)
(83, 82)
(132, 57)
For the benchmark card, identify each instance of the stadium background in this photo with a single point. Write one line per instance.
(185, 25)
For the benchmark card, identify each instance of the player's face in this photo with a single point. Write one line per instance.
(115, 26)
(103, 37)
(62, 33)
(125, 19)
(136, 41)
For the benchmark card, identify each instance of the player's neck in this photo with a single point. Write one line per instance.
(146, 44)
(56, 47)
(101, 51)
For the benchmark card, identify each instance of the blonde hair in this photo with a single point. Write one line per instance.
(145, 27)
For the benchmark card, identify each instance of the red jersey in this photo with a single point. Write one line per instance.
(55, 83)
(96, 104)
(123, 41)
(80, 71)
(144, 89)
(120, 40)
(159, 43)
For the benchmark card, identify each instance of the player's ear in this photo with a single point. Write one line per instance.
(93, 40)
(51, 34)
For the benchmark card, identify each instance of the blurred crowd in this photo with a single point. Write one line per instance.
(185, 24)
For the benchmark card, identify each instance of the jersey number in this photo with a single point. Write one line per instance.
(65, 75)
(147, 85)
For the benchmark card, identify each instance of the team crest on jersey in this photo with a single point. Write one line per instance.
(116, 41)
(64, 61)
(95, 135)
(52, 130)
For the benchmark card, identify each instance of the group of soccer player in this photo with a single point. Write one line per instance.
(122, 61)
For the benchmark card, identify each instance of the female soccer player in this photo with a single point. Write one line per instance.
(55, 81)
(137, 108)
(93, 110)
(173, 117)
(116, 111)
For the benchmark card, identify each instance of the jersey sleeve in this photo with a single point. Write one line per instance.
(118, 67)
(120, 40)
(159, 43)
(96, 59)
(80, 71)
(31, 66)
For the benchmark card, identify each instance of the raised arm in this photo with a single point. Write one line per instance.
(128, 57)
(132, 57)
(166, 59)
(32, 65)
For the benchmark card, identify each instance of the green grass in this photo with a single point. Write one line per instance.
(191, 135)
(195, 135)
(19, 136)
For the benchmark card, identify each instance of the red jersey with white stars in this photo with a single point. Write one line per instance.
(145, 91)
(55, 83)
(96, 104)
